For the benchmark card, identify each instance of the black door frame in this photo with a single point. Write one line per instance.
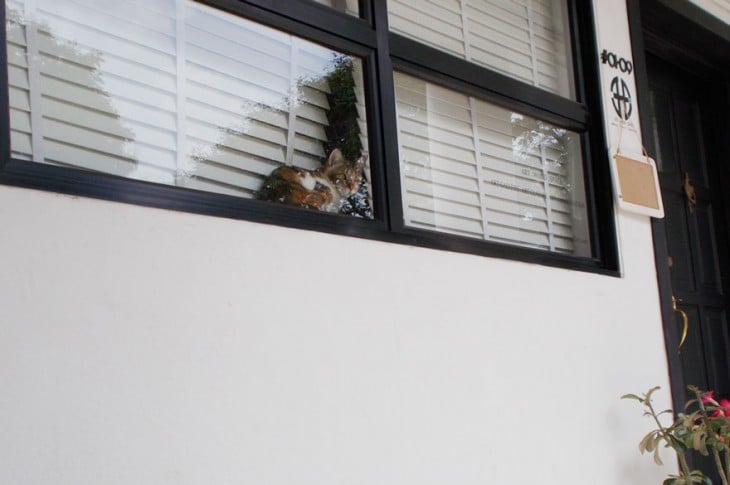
(686, 35)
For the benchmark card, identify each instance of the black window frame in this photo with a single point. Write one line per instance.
(368, 37)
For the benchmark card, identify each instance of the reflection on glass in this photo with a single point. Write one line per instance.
(174, 92)
(474, 169)
(351, 7)
(524, 39)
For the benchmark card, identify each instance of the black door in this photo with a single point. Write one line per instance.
(695, 234)
(683, 119)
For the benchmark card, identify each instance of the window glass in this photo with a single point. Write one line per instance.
(174, 92)
(471, 168)
(347, 6)
(524, 39)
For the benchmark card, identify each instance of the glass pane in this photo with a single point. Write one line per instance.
(471, 168)
(524, 39)
(351, 7)
(174, 92)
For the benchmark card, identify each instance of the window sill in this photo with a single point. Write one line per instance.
(106, 187)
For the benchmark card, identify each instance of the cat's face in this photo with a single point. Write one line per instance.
(345, 175)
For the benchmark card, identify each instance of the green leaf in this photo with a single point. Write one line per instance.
(647, 442)
(677, 444)
(650, 392)
(698, 441)
(696, 476)
(657, 460)
(632, 396)
(651, 445)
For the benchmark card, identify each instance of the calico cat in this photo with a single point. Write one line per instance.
(328, 188)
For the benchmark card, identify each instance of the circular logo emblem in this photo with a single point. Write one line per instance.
(621, 99)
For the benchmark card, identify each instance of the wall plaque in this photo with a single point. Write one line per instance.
(636, 185)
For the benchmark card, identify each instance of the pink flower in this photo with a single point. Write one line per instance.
(709, 398)
(723, 408)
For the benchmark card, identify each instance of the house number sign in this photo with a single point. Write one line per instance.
(621, 98)
(616, 62)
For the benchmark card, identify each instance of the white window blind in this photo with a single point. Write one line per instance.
(474, 169)
(168, 91)
(524, 39)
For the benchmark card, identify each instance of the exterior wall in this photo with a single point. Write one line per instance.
(145, 346)
(718, 8)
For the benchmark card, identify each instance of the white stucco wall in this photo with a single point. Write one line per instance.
(718, 8)
(151, 347)
(145, 346)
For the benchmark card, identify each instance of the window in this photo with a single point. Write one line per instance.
(472, 168)
(458, 125)
(177, 93)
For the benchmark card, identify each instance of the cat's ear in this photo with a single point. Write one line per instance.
(335, 158)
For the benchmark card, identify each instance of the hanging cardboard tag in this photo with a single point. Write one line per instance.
(636, 185)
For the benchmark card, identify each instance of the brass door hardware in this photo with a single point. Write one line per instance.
(685, 321)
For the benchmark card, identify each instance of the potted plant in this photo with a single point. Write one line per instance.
(704, 427)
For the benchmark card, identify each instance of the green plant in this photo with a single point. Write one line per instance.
(704, 428)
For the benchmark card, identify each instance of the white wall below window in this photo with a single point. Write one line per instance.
(151, 347)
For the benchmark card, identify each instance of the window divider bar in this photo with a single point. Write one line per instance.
(393, 211)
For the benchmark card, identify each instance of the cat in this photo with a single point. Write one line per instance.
(328, 188)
